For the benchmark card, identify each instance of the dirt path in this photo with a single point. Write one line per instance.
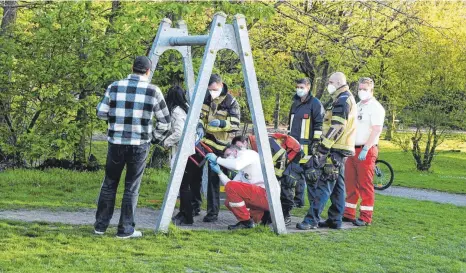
(426, 195)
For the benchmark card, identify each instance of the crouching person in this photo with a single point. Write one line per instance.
(246, 197)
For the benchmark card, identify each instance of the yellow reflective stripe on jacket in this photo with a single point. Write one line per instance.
(339, 119)
(307, 129)
(305, 159)
(279, 172)
(213, 144)
(278, 155)
(327, 143)
(317, 134)
(234, 120)
(342, 147)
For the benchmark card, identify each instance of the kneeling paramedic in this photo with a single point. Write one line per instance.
(327, 167)
(246, 197)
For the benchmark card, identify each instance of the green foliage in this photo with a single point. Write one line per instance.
(60, 57)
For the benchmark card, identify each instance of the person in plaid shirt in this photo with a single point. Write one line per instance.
(129, 106)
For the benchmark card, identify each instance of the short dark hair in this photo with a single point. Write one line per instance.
(215, 78)
(305, 81)
(238, 139)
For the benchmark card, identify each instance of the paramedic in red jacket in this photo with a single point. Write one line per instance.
(246, 197)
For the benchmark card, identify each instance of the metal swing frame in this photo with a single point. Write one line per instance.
(221, 36)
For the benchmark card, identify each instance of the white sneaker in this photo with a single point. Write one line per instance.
(99, 232)
(136, 234)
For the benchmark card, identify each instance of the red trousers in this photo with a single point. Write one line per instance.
(246, 201)
(359, 184)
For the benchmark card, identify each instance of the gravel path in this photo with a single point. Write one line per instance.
(427, 195)
(145, 218)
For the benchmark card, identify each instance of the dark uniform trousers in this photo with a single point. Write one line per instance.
(190, 190)
(325, 188)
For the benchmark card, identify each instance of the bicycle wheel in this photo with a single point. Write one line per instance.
(383, 176)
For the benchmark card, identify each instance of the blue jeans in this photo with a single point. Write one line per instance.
(119, 156)
(328, 188)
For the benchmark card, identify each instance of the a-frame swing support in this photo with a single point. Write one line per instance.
(221, 36)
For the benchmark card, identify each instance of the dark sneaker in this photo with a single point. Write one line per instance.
(347, 220)
(183, 221)
(361, 223)
(329, 224)
(305, 226)
(136, 234)
(98, 232)
(287, 221)
(210, 218)
(266, 219)
(196, 212)
(242, 225)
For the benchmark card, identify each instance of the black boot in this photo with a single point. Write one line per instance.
(186, 206)
(287, 216)
(183, 220)
(242, 225)
(266, 219)
(347, 220)
(210, 218)
(329, 224)
(305, 226)
(361, 223)
(177, 216)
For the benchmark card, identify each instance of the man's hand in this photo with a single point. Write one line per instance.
(211, 157)
(215, 167)
(218, 123)
(363, 154)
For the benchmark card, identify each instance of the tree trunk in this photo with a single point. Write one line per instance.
(9, 14)
(8, 21)
(391, 126)
(322, 86)
(81, 117)
(276, 115)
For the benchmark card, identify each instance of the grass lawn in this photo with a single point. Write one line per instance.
(64, 189)
(407, 236)
(448, 171)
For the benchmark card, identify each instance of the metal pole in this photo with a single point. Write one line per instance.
(188, 40)
(255, 105)
(189, 132)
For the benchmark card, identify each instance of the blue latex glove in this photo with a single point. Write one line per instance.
(215, 167)
(211, 157)
(363, 154)
(199, 133)
(218, 123)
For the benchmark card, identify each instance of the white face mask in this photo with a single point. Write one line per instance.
(301, 92)
(331, 89)
(364, 95)
(215, 93)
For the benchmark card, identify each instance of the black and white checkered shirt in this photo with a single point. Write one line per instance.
(129, 106)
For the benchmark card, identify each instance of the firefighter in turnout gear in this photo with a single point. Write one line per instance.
(220, 116)
(305, 125)
(338, 141)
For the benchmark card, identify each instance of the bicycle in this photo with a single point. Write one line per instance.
(384, 175)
